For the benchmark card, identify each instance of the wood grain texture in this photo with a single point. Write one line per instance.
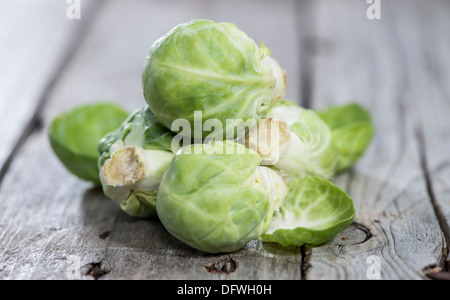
(363, 60)
(429, 69)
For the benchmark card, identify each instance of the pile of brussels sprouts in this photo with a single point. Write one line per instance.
(253, 166)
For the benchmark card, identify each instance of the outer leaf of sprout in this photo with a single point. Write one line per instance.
(352, 131)
(74, 136)
(313, 212)
(310, 150)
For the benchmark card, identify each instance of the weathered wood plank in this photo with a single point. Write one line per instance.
(361, 60)
(64, 226)
(36, 38)
(47, 216)
(429, 66)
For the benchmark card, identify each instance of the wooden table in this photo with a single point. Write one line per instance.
(55, 226)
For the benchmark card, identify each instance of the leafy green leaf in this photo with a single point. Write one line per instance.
(141, 128)
(310, 149)
(313, 212)
(352, 131)
(74, 136)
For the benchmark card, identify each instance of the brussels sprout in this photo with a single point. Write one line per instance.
(273, 183)
(295, 141)
(270, 138)
(313, 212)
(215, 197)
(133, 161)
(352, 131)
(214, 68)
(74, 136)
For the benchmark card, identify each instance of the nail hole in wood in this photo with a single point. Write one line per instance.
(97, 270)
(225, 265)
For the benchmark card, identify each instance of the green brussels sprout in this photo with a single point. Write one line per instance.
(216, 198)
(133, 160)
(352, 130)
(295, 141)
(313, 212)
(74, 136)
(269, 138)
(214, 68)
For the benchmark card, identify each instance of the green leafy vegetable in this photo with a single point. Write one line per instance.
(213, 198)
(309, 148)
(352, 131)
(133, 161)
(74, 136)
(141, 128)
(214, 68)
(313, 212)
